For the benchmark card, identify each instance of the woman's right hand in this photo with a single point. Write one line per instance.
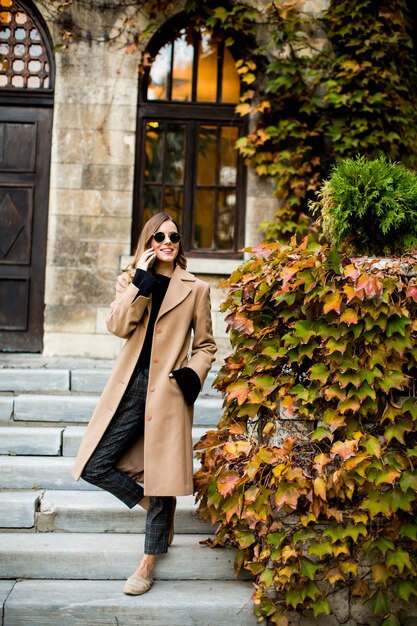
(146, 260)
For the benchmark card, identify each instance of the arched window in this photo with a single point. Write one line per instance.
(24, 53)
(187, 163)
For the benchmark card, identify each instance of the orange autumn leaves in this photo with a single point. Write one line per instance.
(314, 460)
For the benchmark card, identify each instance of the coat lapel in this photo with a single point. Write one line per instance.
(177, 290)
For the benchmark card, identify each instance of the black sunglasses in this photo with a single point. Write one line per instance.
(160, 237)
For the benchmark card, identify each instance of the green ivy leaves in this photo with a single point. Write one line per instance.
(314, 463)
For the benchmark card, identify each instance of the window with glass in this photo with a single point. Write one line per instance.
(187, 162)
(24, 61)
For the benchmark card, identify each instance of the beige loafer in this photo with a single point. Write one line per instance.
(136, 585)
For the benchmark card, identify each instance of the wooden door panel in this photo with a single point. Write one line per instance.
(25, 144)
(18, 146)
(16, 210)
(14, 298)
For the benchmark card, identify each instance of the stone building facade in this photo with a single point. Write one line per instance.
(95, 103)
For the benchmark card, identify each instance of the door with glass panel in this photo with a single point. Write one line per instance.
(187, 162)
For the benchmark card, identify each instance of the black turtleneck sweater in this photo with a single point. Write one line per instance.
(156, 286)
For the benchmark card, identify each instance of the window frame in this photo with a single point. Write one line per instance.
(192, 113)
(29, 96)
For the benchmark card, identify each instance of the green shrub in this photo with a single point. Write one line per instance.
(369, 207)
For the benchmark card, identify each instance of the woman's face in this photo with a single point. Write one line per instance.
(166, 251)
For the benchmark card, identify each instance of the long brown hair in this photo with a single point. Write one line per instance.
(150, 228)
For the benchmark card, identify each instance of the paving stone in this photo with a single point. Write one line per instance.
(30, 379)
(96, 556)
(6, 407)
(87, 380)
(17, 508)
(50, 408)
(101, 603)
(72, 436)
(99, 511)
(30, 441)
(21, 472)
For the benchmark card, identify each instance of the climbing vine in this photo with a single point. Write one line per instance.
(319, 89)
(312, 471)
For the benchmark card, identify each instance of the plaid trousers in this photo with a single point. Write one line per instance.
(126, 427)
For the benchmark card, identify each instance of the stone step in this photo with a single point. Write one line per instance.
(89, 381)
(101, 603)
(72, 435)
(99, 511)
(53, 408)
(18, 508)
(97, 556)
(6, 408)
(22, 472)
(87, 512)
(75, 409)
(31, 440)
(31, 379)
(46, 441)
(80, 380)
(93, 381)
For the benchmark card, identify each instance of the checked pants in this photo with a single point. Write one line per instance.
(126, 427)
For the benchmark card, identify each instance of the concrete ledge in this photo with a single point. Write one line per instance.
(5, 588)
(30, 379)
(30, 441)
(49, 472)
(72, 436)
(98, 511)
(101, 603)
(21, 472)
(71, 439)
(6, 407)
(100, 557)
(49, 408)
(17, 508)
(90, 381)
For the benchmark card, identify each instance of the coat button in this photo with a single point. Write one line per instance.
(152, 388)
(149, 417)
(155, 360)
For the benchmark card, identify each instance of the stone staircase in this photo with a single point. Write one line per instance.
(65, 547)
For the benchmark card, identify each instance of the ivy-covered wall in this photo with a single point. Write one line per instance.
(311, 473)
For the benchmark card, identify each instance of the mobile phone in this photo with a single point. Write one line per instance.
(151, 262)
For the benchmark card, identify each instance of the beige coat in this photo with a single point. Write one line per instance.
(163, 459)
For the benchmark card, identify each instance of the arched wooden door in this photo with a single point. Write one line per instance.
(26, 107)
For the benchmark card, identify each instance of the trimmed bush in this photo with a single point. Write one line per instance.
(369, 207)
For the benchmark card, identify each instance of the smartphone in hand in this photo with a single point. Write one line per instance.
(151, 262)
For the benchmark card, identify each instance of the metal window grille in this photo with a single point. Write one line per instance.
(24, 62)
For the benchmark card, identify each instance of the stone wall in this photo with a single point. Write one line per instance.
(91, 194)
(90, 210)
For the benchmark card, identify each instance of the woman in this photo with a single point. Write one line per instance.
(141, 427)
